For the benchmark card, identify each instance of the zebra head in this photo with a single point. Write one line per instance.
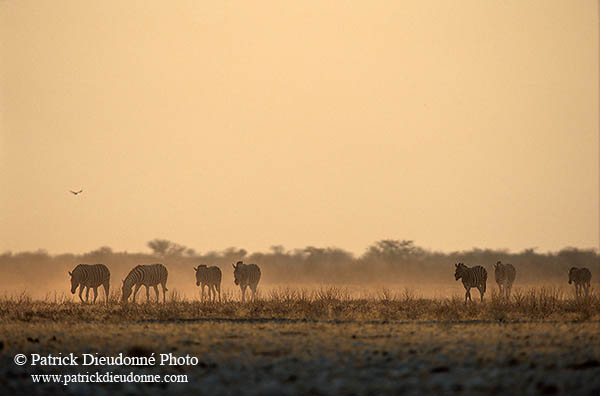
(460, 267)
(498, 265)
(200, 273)
(126, 290)
(572, 272)
(74, 282)
(238, 271)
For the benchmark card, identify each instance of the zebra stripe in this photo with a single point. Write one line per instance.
(146, 275)
(505, 275)
(90, 276)
(211, 277)
(582, 278)
(471, 277)
(246, 275)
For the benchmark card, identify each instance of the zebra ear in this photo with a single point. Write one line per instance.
(70, 273)
(233, 265)
(196, 269)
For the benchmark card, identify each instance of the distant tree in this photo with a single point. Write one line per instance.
(233, 253)
(278, 249)
(159, 246)
(392, 250)
(164, 247)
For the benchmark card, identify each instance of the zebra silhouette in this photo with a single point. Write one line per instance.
(246, 275)
(90, 276)
(211, 277)
(581, 277)
(505, 275)
(146, 275)
(471, 277)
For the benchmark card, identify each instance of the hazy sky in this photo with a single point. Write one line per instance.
(327, 123)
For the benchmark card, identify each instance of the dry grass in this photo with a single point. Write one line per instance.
(326, 303)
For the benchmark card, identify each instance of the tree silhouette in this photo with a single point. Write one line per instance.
(164, 247)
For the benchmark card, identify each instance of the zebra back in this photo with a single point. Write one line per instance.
(149, 275)
(209, 275)
(89, 275)
(511, 273)
(504, 273)
(579, 275)
(246, 274)
(471, 277)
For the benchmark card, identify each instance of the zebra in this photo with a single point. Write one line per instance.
(505, 276)
(471, 277)
(246, 275)
(90, 276)
(211, 277)
(147, 275)
(581, 277)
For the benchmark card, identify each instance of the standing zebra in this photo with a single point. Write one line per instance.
(581, 277)
(147, 275)
(211, 277)
(86, 275)
(246, 275)
(505, 276)
(471, 277)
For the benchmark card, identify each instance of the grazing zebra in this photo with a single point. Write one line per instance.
(90, 276)
(471, 277)
(211, 277)
(505, 276)
(246, 275)
(147, 275)
(581, 277)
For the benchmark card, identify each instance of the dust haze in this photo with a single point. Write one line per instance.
(391, 266)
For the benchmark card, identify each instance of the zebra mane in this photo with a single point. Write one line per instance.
(77, 269)
(127, 279)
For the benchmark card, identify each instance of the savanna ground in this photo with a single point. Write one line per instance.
(319, 341)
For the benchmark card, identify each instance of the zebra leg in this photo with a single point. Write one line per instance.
(164, 289)
(137, 287)
(481, 292)
(95, 294)
(202, 294)
(147, 293)
(218, 287)
(106, 288)
(210, 293)
(468, 295)
(243, 292)
(156, 291)
(87, 294)
(81, 291)
(253, 288)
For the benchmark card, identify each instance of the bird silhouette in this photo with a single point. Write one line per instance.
(76, 192)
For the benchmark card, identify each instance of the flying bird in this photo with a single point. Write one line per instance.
(76, 192)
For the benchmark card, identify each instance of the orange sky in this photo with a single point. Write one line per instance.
(326, 123)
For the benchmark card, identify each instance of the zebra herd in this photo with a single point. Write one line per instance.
(505, 274)
(92, 276)
(248, 275)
